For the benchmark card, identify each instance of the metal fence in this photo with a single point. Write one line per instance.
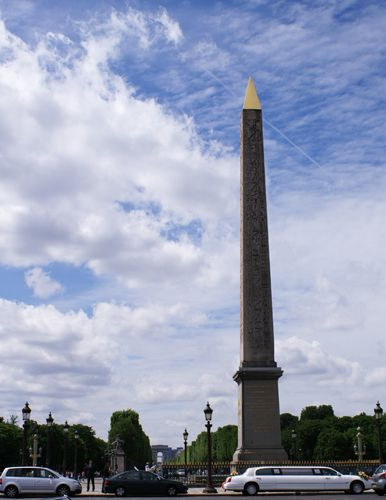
(196, 474)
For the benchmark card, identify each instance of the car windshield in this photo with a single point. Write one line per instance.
(381, 468)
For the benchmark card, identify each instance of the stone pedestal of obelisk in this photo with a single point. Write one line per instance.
(257, 377)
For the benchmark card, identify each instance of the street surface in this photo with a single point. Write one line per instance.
(198, 492)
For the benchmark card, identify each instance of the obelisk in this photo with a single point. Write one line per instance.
(257, 377)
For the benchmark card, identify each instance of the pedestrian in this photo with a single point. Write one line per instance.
(89, 472)
(106, 472)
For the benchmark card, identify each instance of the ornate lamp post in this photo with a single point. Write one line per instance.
(185, 436)
(65, 430)
(208, 417)
(50, 422)
(359, 447)
(26, 413)
(35, 452)
(378, 414)
(76, 436)
(293, 438)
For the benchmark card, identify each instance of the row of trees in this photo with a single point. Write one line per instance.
(124, 425)
(320, 435)
(89, 447)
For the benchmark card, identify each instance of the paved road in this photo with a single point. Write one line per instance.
(279, 496)
(268, 496)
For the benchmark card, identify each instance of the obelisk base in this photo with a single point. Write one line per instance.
(258, 414)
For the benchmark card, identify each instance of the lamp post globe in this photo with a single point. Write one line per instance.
(378, 414)
(208, 412)
(208, 417)
(26, 414)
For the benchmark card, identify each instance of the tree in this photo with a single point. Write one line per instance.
(317, 412)
(10, 441)
(125, 425)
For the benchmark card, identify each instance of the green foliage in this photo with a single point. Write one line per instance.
(136, 445)
(89, 446)
(317, 412)
(224, 444)
(320, 435)
(10, 443)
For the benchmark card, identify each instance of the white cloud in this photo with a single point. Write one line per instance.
(42, 285)
(172, 29)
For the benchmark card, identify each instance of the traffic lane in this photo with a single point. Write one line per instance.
(282, 496)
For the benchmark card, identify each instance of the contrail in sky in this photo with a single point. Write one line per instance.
(269, 124)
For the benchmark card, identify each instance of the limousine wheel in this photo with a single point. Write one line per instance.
(120, 492)
(356, 487)
(251, 489)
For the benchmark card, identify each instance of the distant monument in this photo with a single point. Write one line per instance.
(257, 377)
(117, 461)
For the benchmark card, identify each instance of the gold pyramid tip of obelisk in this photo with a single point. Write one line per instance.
(251, 101)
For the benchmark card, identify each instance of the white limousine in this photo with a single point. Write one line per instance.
(287, 478)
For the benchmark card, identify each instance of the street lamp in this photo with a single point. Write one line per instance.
(185, 436)
(50, 422)
(378, 414)
(359, 447)
(293, 437)
(76, 436)
(65, 430)
(208, 417)
(26, 413)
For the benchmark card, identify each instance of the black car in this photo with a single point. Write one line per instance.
(139, 482)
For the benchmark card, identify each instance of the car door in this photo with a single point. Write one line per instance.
(132, 483)
(300, 479)
(26, 480)
(333, 480)
(265, 479)
(44, 481)
(151, 485)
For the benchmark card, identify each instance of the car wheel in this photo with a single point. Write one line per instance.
(11, 492)
(251, 489)
(62, 490)
(356, 488)
(120, 492)
(171, 491)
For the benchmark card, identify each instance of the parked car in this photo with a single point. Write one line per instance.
(138, 482)
(379, 480)
(379, 472)
(20, 480)
(287, 478)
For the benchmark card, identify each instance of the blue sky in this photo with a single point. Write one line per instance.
(119, 204)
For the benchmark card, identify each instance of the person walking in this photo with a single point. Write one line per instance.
(89, 472)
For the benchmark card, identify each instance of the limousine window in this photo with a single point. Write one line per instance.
(297, 472)
(267, 472)
(329, 472)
